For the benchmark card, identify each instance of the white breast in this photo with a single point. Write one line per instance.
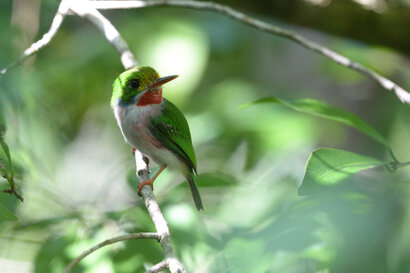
(133, 122)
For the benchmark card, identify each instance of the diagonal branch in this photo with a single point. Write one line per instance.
(385, 83)
(160, 223)
(158, 267)
(142, 235)
(62, 11)
(84, 9)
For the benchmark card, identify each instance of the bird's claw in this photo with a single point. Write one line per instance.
(150, 181)
(146, 182)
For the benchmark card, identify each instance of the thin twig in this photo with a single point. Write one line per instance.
(142, 235)
(392, 166)
(86, 10)
(13, 190)
(385, 83)
(45, 40)
(158, 267)
(10, 179)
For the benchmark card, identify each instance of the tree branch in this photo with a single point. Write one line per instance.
(142, 235)
(62, 11)
(174, 265)
(158, 267)
(385, 83)
(395, 165)
(84, 9)
(88, 9)
(376, 22)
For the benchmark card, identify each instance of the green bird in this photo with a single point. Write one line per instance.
(153, 125)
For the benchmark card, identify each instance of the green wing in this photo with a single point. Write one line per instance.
(171, 129)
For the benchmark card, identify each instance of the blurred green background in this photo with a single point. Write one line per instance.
(76, 173)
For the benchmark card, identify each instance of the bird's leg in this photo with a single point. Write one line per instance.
(133, 151)
(150, 181)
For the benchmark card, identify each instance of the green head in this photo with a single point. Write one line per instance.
(135, 81)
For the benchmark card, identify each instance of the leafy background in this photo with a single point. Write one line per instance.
(77, 174)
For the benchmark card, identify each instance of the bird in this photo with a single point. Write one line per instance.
(153, 125)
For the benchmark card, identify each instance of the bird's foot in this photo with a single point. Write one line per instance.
(146, 182)
(150, 181)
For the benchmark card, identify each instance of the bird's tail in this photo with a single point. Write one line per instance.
(195, 192)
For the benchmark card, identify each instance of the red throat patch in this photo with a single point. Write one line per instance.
(151, 97)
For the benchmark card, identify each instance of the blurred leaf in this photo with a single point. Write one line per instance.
(133, 219)
(2, 129)
(327, 167)
(215, 179)
(6, 214)
(6, 149)
(8, 200)
(134, 254)
(247, 256)
(132, 179)
(53, 256)
(321, 109)
(7, 169)
(2, 123)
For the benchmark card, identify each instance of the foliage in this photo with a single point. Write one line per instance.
(327, 167)
(6, 214)
(78, 176)
(324, 110)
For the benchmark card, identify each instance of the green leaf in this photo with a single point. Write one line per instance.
(215, 179)
(2, 130)
(132, 179)
(10, 175)
(327, 167)
(5, 149)
(321, 109)
(2, 123)
(58, 250)
(6, 214)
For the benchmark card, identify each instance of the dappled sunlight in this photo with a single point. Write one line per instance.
(376, 5)
(94, 166)
(178, 48)
(268, 120)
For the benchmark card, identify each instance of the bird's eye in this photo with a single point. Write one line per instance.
(134, 83)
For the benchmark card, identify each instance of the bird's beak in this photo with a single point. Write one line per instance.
(162, 81)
